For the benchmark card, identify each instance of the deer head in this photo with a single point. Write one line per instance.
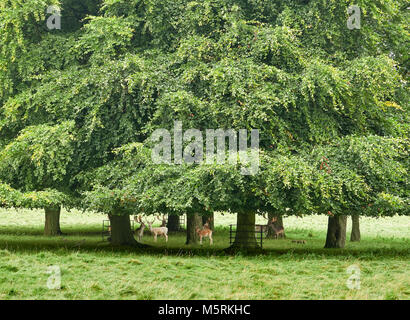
(207, 224)
(270, 221)
(150, 223)
(140, 221)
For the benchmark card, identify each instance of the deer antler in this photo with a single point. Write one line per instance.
(162, 219)
(145, 221)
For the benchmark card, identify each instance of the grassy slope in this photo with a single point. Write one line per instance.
(91, 269)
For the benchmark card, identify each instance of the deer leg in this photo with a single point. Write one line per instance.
(166, 238)
(155, 237)
(211, 240)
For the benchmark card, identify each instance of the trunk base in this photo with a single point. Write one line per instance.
(121, 234)
(52, 221)
(336, 232)
(193, 222)
(245, 238)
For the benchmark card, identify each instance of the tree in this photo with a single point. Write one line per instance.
(256, 74)
(56, 119)
(51, 200)
(194, 221)
(37, 160)
(377, 162)
(107, 192)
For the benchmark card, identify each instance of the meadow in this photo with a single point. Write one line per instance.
(92, 269)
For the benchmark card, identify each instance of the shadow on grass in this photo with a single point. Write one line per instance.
(67, 244)
(40, 232)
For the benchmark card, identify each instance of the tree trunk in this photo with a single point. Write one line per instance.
(121, 233)
(205, 219)
(52, 223)
(277, 224)
(355, 235)
(245, 231)
(173, 223)
(336, 232)
(193, 221)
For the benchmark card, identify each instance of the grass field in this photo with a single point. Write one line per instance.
(91, 269)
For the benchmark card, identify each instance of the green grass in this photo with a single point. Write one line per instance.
(92, 269)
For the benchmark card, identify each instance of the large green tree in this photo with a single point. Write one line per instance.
(56, 105)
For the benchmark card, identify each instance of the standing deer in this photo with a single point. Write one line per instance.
(265, 227)
(278, 231)
(140, 231)
(205, 232)
(161, 231)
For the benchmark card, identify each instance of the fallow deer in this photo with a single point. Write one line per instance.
(161, 231)
(265, 227)
(299, 241)
(278, 231)
(205, 232)
(140, 231)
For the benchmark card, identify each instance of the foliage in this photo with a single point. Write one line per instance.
(119, 69)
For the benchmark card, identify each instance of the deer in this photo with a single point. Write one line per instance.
(140, 231)
(265, 227)
(278, 231)
(299, 241)
(161, 231)
(205, 232)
